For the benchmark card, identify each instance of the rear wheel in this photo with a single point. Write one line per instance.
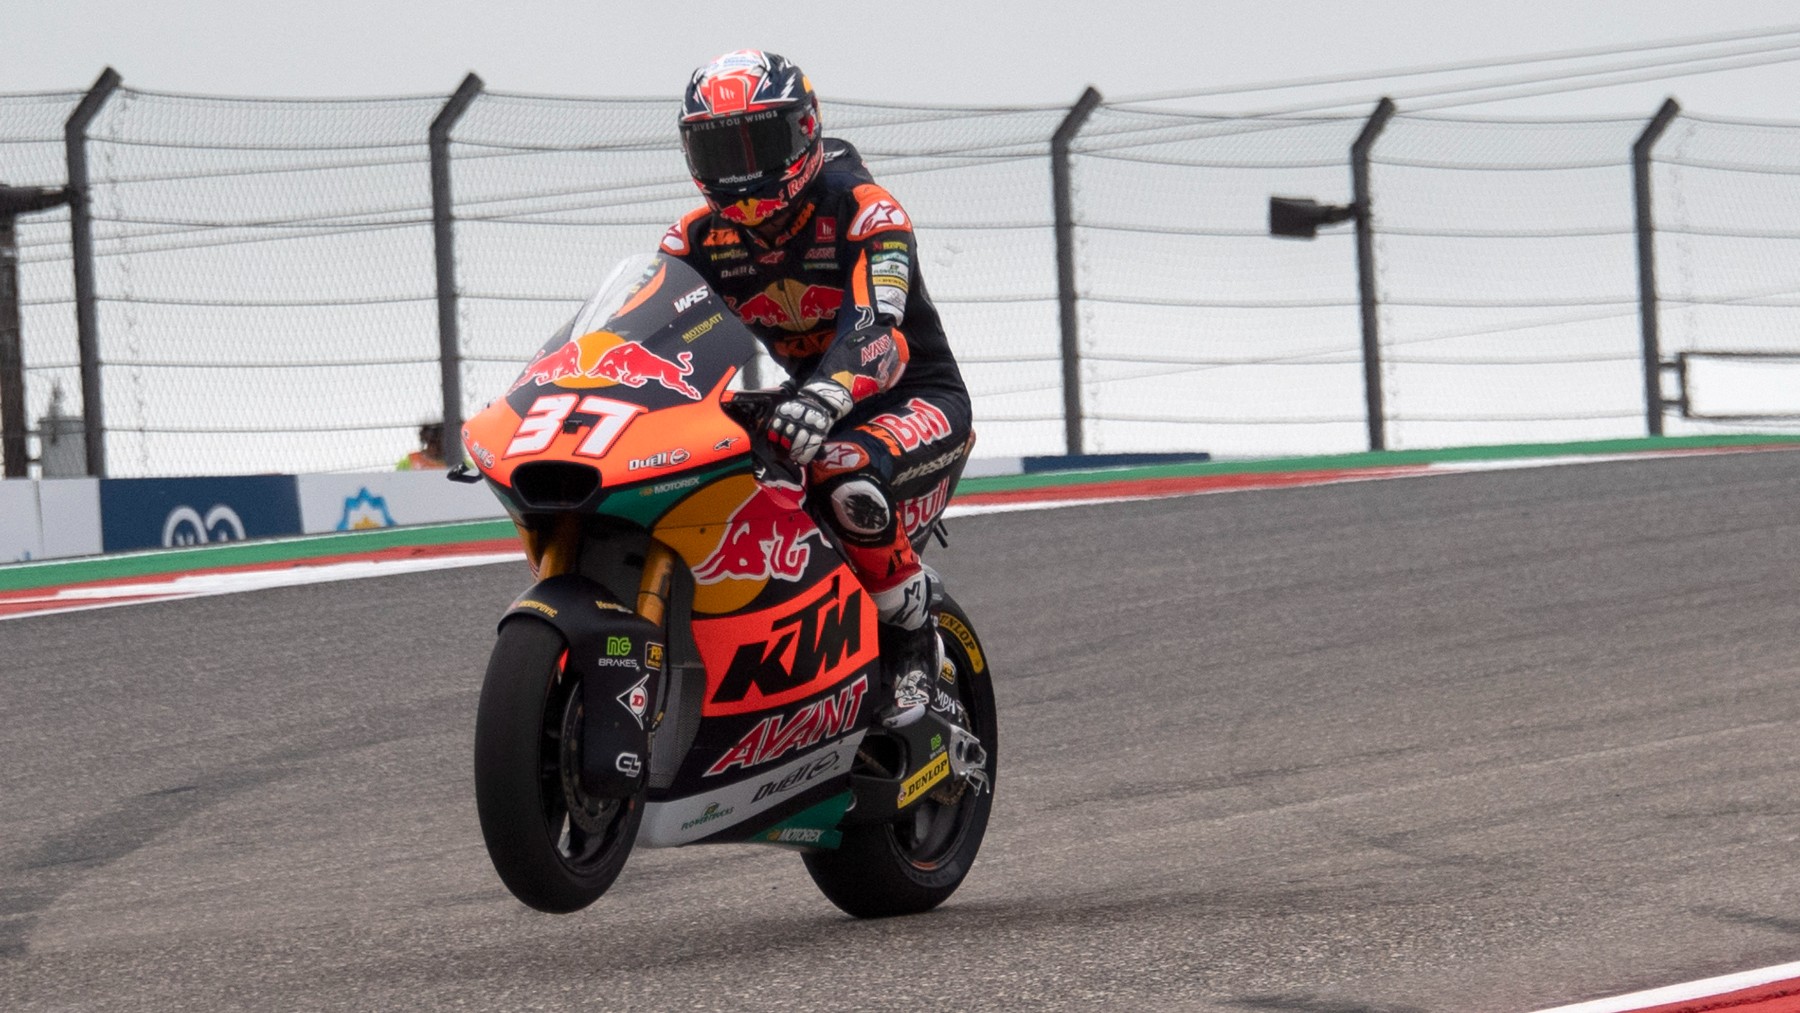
(555, 848)
(916, 863)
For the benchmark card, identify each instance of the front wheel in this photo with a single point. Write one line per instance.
(555, 848)
(916, 863)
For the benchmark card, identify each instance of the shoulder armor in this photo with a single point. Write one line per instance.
(876, 211)
(677, 240)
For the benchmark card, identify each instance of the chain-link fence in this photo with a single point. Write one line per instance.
(266, 293)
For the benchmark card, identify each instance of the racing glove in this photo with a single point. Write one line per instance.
(800, 424)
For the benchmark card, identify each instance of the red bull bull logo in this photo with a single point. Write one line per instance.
(765, 539)
(601, 359)
(634, 365)
(555, 367)
(751, 211)
(792, 305)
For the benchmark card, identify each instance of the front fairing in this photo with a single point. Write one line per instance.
(630, 387)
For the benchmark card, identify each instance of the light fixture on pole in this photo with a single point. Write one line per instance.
(1300, 217)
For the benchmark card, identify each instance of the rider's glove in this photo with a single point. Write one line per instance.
(800, 424)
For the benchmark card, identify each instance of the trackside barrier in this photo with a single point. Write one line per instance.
(155, 513)
(331, 503)
(60, 518)
(49, 519)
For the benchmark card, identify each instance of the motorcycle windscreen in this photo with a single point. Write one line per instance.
(654, 335)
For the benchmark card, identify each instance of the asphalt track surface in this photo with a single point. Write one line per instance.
(1491, 741)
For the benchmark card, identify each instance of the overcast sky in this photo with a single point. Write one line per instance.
(934, 51)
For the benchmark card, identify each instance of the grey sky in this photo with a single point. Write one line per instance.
(935, 51)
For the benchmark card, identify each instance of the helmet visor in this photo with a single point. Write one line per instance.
(745, 151)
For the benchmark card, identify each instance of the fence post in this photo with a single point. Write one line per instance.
(1365, 269)
(12, 360)
(443, 231)
(81, 246)
(1646, 252)
(15, 201)
(1065, 265)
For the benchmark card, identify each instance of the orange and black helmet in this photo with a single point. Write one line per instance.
(750, 130)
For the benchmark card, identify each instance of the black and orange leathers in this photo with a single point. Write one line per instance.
(838, 295)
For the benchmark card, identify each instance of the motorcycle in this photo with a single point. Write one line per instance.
(696, 662)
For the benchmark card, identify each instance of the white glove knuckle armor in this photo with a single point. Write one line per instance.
(800, 426)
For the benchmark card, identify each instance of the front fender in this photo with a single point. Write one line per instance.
(574, 604)
(618, 655)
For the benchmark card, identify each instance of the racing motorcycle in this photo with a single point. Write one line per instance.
(696, 662)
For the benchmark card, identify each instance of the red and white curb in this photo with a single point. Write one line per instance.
(256, 577)
(1768, 990)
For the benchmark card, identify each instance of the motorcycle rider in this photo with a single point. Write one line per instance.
(820, 262)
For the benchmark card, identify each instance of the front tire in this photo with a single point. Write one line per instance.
(913, 865)
(554, 847)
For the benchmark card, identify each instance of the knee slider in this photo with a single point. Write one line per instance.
(862, 510)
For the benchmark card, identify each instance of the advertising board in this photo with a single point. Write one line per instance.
(148, 513)
(386, 499)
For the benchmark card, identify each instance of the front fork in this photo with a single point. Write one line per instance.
(619, 652)
(558, 551)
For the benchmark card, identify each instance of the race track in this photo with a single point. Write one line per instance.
(1481, 742)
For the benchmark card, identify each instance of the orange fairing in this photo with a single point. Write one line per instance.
(776, 656)
(678, 438)
(739, 536)
(485, 435)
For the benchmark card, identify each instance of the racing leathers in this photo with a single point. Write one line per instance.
(836, 296)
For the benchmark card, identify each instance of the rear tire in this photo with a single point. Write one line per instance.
(887, 869)
(555, 848)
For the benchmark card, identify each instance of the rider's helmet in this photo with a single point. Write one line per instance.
(750, 130)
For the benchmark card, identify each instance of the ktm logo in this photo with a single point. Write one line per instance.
(812, 644)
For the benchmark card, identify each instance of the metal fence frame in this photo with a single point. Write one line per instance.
(443, 217)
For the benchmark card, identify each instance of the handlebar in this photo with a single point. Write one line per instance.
(753, 409)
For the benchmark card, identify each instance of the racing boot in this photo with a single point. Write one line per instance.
(911, 653)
